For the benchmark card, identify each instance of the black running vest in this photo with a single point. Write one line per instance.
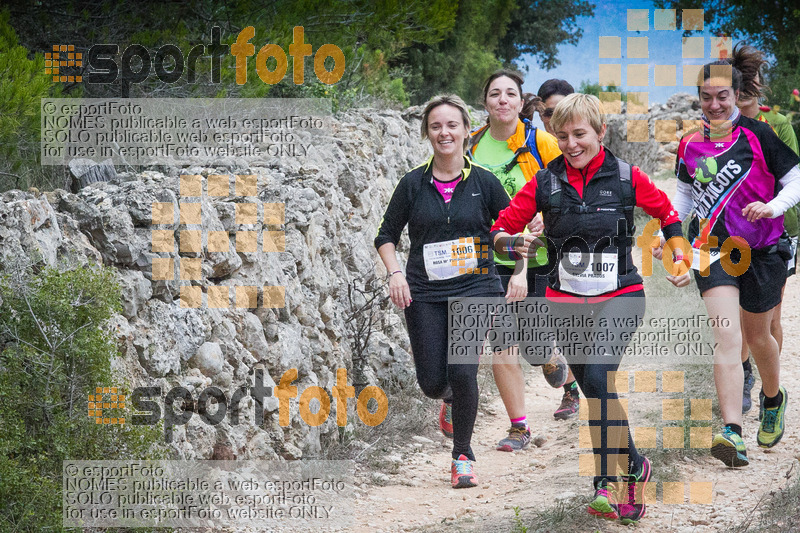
(583, 232)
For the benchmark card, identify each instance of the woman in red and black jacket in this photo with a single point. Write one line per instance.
(587, 197)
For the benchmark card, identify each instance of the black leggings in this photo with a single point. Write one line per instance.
(591, 373)
(428, 330)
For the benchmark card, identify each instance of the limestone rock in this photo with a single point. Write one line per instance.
(655, 155)
(136, 290)
(208, 359)
(333, 203)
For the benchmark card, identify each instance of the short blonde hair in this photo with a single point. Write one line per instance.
(578, 106)
(445, 99)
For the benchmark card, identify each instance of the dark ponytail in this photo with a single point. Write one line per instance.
(531, 104)
(748, 60)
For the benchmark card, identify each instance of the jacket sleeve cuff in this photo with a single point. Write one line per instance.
(380, 240)
(672, 230)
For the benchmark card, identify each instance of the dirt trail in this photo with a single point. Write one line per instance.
(419, 495)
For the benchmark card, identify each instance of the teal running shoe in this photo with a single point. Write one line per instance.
(771, 429)
(729, 448)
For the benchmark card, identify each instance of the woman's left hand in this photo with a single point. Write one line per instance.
(517, 287)
(527, 245)
(756, 210)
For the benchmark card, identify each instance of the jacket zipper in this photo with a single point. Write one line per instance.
(442, 203)
(447, 205)
(583, 195)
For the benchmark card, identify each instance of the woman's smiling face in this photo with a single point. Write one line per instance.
(446, 130)
(717, 99)
(578, 141)
(503, 100)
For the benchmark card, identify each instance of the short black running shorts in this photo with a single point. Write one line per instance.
(537, 279)
(759, 287)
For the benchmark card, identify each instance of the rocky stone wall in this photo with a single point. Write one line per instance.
(653, 156)
(334, 199)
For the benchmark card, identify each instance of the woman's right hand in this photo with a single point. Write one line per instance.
(399, 291)
(536, 226)
(659, 252)
(527, 244)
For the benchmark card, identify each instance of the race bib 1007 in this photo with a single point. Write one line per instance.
(588, 274)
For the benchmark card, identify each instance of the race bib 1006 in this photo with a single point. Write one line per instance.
(449, 259)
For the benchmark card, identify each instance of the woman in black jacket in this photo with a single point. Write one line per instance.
(448, 204)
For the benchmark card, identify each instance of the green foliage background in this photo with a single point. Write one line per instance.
(23, 83)
(397, 52)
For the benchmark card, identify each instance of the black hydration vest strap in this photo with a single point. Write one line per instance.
(626, 181)
(555, 194)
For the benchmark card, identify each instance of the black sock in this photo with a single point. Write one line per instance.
(736, 428)
(746, 366)
(468, 453)
(771, 403)
(572, 387)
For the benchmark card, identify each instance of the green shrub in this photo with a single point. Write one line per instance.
(55, 349)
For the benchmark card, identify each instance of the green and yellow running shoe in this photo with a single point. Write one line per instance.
(604, 504)
(729, 448)
(771, 429)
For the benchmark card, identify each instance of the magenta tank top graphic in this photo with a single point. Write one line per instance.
(446, 188)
